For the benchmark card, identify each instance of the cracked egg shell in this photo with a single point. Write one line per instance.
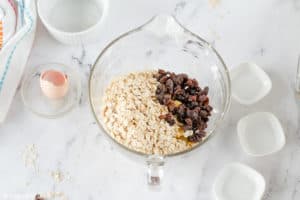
(54, 84)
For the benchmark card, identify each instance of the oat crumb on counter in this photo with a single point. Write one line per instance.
(30, 156)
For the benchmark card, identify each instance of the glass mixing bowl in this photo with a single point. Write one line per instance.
(163, 43)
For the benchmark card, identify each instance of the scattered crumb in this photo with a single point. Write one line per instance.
(54, 196)
(30, 156)
(57, 176)
(214, 3)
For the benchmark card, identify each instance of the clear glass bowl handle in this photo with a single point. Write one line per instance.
(164, 25)
(155, 170)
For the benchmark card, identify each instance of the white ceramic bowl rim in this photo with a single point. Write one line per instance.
(162, 16)
(105, 5)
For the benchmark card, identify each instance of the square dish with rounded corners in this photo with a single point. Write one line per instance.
(249, 83)
(260, 134)
(239, 182)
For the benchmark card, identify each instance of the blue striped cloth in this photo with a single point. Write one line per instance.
(23, 13)
(14, 55)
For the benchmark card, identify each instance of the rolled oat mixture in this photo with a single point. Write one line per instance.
(136, 116)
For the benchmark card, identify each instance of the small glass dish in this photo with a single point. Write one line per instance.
(38, 103)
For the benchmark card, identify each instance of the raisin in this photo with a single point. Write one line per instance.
(188, 121)
(166, 99)
(192, 105)
(200, 132)
(209, 108)
(194, 138)
(160, 98)
(199, 135)
(205, 119)
(192, 98)
(202, 98)
(193, 114)
(180, 118)
(192, 91)
(203, 113)
(171, 121)
(205, 91)
(187, 127)
(177, 88)
(162, 72)
(197, 109)
(180, 79)
(173, 76)
(179, 94)
(170, 85)
(163, 79)
(189, 83)
(161, 89)
(180, 97)
(181, 110)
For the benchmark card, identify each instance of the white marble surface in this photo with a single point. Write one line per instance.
(266, 32)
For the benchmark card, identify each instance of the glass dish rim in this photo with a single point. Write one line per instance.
(60, 114)
(227, 101)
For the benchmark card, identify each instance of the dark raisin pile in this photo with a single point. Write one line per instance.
(186, 102)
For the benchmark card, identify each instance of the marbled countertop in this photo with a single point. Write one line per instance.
(72, 156)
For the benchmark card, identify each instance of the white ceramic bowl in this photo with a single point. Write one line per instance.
(239, 182)
(73, 21)
(249, 83)
(260, 134)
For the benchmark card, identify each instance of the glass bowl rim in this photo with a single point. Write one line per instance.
(111, 43)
